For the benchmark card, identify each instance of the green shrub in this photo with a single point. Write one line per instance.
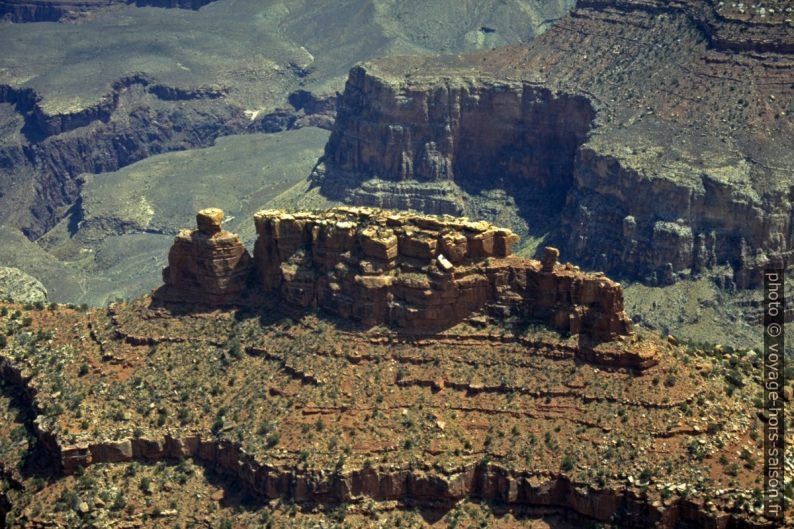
(217, 426)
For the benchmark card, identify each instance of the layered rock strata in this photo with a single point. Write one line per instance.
(417, 273)
(424, 273)
(420, 272)
(654, 177)
(280, 473)
(491, 482)
(65, 10)
(208, 265)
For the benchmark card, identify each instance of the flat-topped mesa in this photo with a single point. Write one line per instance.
(208, 265)
(423, 273)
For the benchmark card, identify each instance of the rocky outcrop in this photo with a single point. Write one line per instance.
(624, 170)
(421, 273)
(208, 265)
(59, 10)
(20, 287)
(401, 145)
(416, 273)
(490, 482)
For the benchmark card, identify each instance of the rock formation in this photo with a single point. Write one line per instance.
(420, 272)
(417, 273)
(653, 177)
(64, 10)
(443, 400)
(208, 265)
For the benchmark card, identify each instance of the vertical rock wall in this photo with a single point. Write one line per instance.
(423, 273)
(208, 265)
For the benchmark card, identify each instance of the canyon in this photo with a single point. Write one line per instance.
(650, 156)
(396, 339)
(188, 91)
(71, 10)
(651, 182)
(324, 411)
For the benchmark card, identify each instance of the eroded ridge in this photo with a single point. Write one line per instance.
(647, 139)
(415, 273)
(309, 411)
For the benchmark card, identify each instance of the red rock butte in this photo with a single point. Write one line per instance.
(208, 265)
(416, 273)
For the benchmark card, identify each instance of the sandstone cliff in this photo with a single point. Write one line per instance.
(651, 139)
(208, 265)
(416, 273)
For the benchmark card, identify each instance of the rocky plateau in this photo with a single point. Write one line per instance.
(650, 140)
(419, 356)
(530, 395)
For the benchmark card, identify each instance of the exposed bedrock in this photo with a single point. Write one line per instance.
(429, 486)
(417, 273)
(55, 10)
(624, 223)
(39, 175)
(401, 145)
(729, 26)
(424, 273)
(208, 265)
(651, 177)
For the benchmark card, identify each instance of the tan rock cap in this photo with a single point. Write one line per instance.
(550, 255)
(209, 220)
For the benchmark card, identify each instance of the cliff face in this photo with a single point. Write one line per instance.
(425, 273)
(416, 273)
(208, 265)
(658, 149)
(474, 134)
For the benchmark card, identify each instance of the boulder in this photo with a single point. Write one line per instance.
(209, 220)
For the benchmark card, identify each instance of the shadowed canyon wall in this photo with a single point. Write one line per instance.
(401, 145)
(627, 172)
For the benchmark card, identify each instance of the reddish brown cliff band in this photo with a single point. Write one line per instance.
(416, 273)
(208, 265)
(421, 272)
